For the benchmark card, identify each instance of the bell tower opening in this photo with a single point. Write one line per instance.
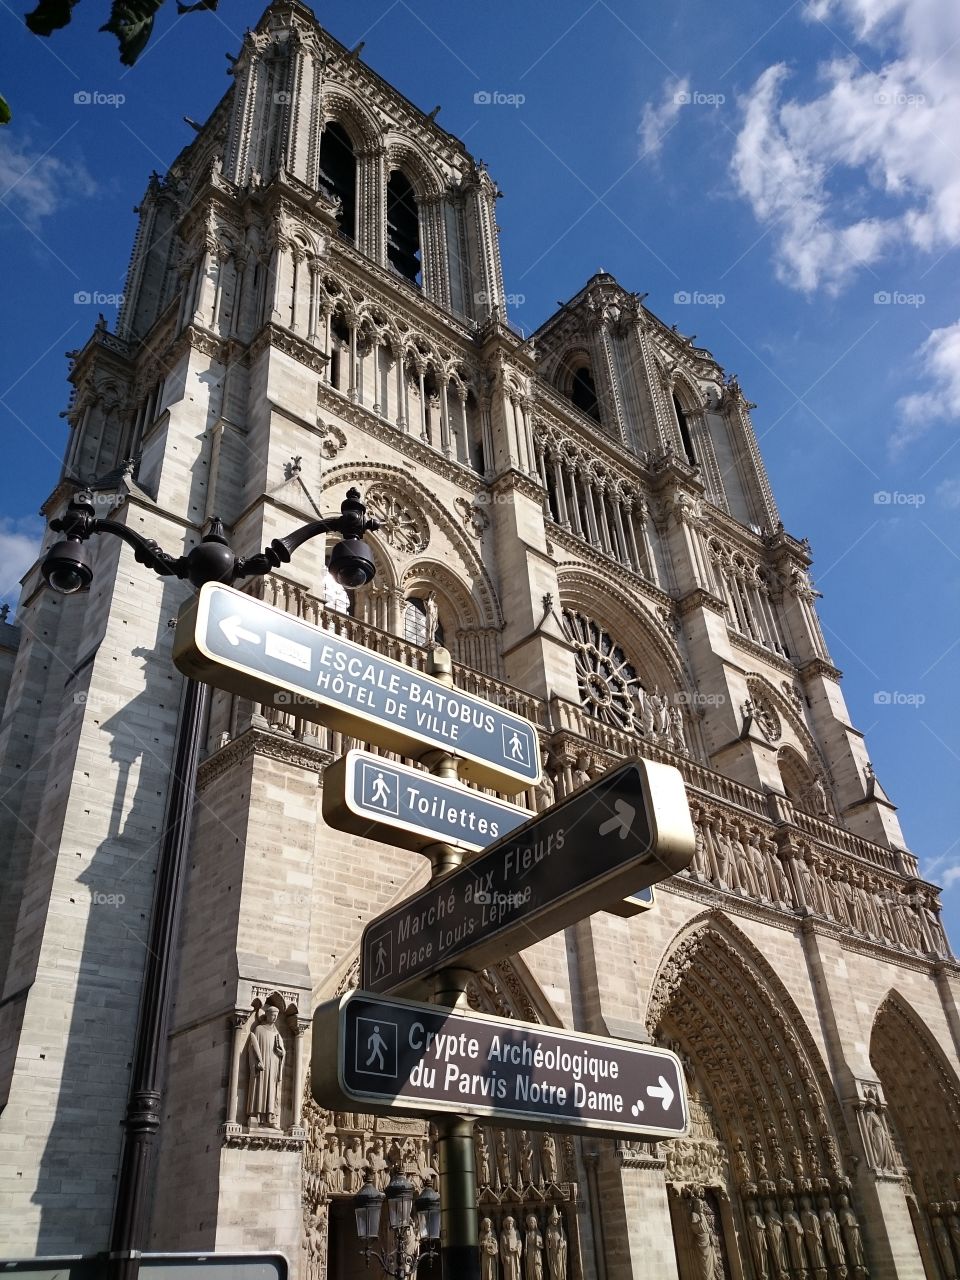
(403, 228)
(337, 176)
(685, 431)
(583, 393)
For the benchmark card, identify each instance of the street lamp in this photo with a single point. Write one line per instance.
(415, 1224)
(67, 569)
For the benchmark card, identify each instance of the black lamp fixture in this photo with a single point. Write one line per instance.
(67, 568)
(414, 1220)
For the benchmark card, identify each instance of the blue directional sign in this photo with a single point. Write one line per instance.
(629, 829)
(370, 796)
(236, 642)
(387, 1056)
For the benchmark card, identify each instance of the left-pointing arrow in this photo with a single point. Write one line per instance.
(664, 1092)
(234, 632)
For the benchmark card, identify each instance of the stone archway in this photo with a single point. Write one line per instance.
(765, 1185)
(923, 1111)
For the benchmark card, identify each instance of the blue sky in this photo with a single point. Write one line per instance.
(784, 183)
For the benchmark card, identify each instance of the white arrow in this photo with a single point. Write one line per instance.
(622, 819)
(664, 1092)
(234, 632)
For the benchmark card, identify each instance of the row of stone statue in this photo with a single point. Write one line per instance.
(806, 1241)
(945, 1225)
(342, 1169)
(520, 1172)
(532, 1254)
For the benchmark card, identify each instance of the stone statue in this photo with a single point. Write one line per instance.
(510, 1248)
(503, 1159)
(425, 1169)
(410, 1244)
(489, 1251)
(677, 738)
(483, 1159)
(794, 1229)
(775, 1238)
(814, 1237)
(265, 1060)
(315, 1247)
(644, 709)
(851, 1232)
(432, 611)
(580, 775)
(831, 1232)
(353, 1159)
(556, 1246)
(378, 1165)
(942, 1237)
(757, 1233)
(705, 1248)
(548, 1158)
(533, 1250)
(525, 1150)
(332, 1170)
(661, 718)
(879, 1140)
(546, 790)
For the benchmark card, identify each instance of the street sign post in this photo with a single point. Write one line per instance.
(628, 830)
(393, 1056)
(370, 796)
(233, 641)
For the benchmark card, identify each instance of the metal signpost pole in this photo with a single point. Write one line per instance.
(459, 1237)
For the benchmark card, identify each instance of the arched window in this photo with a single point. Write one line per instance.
(583, 392)
(684, 431)
(403, 228)
(334, 596)
(415, 624)
(338, 175)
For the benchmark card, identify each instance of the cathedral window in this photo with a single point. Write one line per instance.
(608, 683)
(583, 393)
(403, 228)
(334, 596)
(685, 436)
(338, 176)
(339, 352)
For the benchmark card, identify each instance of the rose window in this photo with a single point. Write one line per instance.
(608, 683)
(398, 524)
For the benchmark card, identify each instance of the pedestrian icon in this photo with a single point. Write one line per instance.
(376, 1047)
(379, 788)
(383, 956)
(516, 746)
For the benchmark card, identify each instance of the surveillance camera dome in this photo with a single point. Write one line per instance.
(66, 567)
(351, 563)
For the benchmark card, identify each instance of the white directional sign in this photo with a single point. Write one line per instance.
(387, 1056)
(236, 642)
(370, 796)
(629, 829)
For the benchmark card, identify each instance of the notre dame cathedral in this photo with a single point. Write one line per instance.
(582, 519)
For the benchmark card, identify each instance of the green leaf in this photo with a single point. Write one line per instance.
(49, 16)
(6, 115)
(131, 21)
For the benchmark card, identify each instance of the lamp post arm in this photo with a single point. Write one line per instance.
(145, 550)
(280, 550)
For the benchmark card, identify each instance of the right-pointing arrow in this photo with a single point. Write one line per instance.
(234, 632)
(663, 1092)
(621, 822)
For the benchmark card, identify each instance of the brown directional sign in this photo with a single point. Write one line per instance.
(626, 831)
(236, 642)
(388, 1056)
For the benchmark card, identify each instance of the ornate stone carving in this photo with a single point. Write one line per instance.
(401, 524)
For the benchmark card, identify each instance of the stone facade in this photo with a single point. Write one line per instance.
(315, 300)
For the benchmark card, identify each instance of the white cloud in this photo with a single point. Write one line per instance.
(939, 358)
(35, 183)
(948, 491)
(869, 162)
(656, 122)
(19, 544)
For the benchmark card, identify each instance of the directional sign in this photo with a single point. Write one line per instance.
(629, 829)
(634, 904)
(369, 796)
(388, 1056)
(233, 641)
